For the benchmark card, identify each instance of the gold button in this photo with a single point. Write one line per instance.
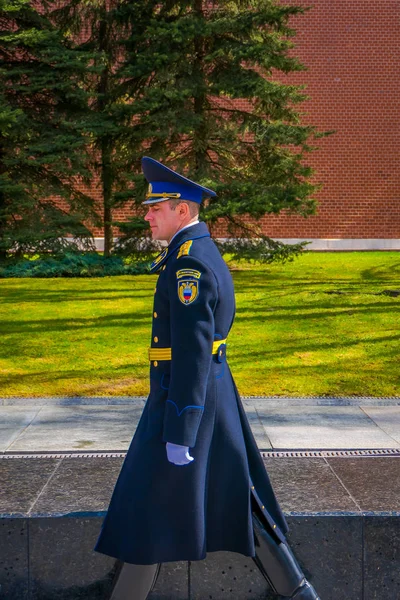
(274, 526)
(155, 315)
(156, 339)
(263, 507)
(164, 267)
(252, 487)
(155, 363)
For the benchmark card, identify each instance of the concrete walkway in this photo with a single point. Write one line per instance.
(92, 424)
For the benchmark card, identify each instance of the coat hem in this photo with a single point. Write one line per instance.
(154, 561)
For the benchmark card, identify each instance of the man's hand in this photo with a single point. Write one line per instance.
(179, 455)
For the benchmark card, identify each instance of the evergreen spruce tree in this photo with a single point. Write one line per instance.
(215, 109)
(168, 83)
(166, 79)
(42, 134)
(115, 124)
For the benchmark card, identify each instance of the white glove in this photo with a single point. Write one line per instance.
(179, 455)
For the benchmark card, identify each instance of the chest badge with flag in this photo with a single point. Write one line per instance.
(188, 285)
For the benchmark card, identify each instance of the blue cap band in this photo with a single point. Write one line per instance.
(166, 184)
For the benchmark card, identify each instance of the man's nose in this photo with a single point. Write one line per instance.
(147, 216)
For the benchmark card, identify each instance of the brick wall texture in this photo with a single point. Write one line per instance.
(351, 49)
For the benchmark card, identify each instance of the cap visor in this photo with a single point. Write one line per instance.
(155, 200)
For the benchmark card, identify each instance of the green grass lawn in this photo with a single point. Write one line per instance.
(317, 326)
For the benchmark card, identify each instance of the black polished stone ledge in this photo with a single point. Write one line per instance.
(343, 515)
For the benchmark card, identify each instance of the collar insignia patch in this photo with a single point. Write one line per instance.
(184, 250)
(158, 259)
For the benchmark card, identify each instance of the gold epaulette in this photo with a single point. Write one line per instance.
(184, 250)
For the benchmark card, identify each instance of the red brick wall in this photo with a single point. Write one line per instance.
(351, 48)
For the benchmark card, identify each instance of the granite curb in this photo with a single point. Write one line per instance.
(343, 515)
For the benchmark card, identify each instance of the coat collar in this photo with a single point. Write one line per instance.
(191, 233)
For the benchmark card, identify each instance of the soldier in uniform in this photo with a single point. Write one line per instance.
(193, 475)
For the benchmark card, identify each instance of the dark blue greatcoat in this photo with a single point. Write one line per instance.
(162, 512)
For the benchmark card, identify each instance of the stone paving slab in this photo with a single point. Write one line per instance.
(65, 425)
(79, 428)
(387, 418)
(13, 422)
(333, 427)
(87, 427)
(372, 484)
(257, 428)
(310, 485)
(47, 486)
(71, 400)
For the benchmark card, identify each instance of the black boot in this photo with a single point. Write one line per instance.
(306, 592)
(279, 566)
(125, 584)
(156, 574)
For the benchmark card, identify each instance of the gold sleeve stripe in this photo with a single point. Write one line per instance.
(166, 353)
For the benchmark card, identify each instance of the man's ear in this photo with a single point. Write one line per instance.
(183, 209)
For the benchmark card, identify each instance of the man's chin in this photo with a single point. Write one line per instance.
(157, 236)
